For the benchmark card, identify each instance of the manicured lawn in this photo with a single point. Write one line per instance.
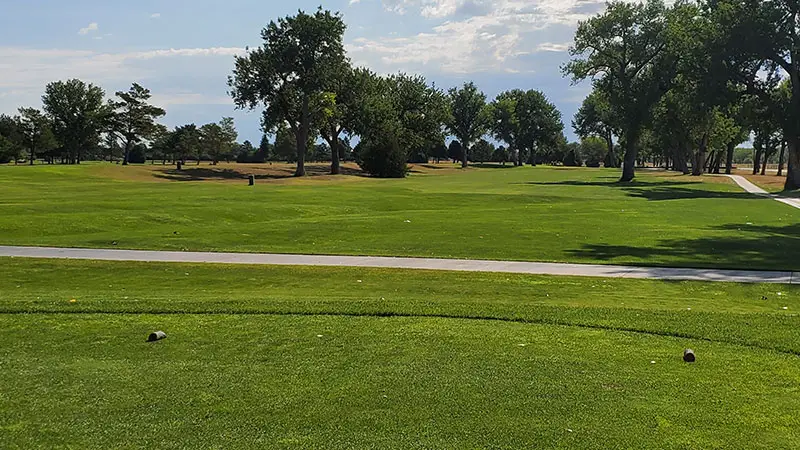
(540, 214)
(285, 357)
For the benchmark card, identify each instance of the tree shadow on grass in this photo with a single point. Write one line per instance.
(211, 174)
(677, 193)
(763, 248)
(493, 166)
(655, 190)
(609, 184)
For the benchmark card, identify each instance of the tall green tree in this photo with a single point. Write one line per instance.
(505, 122)
(624, 50)
(290, 73)
(764, 38)
(265, 148)
(285, 144)
(469, 118)
(218, 139)
(482, 151)
(596, 118)
(186, 142)
(11, 142)
(78, 115)
(418, 109)
(348, 88)
(37, 135)
(133, 118)
(540, 125)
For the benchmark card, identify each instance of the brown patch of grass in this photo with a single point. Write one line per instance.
(771, 183)
(221, 173)
(282, 173)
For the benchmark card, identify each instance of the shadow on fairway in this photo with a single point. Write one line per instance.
(207, 174)
(610, 184)
(493, 166)
(746, 246)
(676, 193)
(655, 190)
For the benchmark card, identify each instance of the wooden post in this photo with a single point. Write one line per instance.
(252, 179)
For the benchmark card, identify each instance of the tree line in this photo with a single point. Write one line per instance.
(77, 123)
(302, 78)
(315, 103)
(685, 85)
(680, 86)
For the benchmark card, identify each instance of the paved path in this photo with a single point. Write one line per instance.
(583, 270)
(745, 184)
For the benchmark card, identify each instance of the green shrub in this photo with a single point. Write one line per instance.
(382, 157)
(594, 151)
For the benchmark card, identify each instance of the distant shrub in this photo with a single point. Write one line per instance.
(382, 157)
(572, 158)
(594, 151)
(138, 154)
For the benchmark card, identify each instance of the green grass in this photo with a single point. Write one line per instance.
(300, 357)
(537, 214)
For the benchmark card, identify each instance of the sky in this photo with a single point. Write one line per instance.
(183, 51)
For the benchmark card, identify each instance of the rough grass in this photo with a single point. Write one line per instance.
(535, 214)
(285, 357)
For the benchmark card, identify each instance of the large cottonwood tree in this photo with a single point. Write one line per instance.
(290, 73)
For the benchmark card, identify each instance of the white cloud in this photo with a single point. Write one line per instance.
(25, 68)
(353, 2)
(90, 28)
(155, 16)
(551, 47)
(181, 77)
(477, 35)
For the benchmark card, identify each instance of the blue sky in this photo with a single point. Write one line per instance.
(183, 50)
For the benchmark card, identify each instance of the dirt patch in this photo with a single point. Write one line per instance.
(771, 183)
(221, 173)
(239, 173)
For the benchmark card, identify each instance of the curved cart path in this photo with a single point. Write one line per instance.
(745, 184)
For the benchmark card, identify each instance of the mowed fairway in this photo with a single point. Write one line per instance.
(324, 357)
(532, 214)
(283, 357)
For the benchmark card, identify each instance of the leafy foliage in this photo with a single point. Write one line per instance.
(291, 74)
(380, 155)
(133, 118)
(78, 115)
(469, 117)
(624, 51)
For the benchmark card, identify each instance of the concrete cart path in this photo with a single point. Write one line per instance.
(745, 184)
(533, 268)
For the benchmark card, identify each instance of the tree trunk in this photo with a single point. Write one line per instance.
(127, 153)
(465, 156)
(757, 161)
(33, 155)
(782, 158)
(611, 158)
(336, 164)
(700, 157)
(629, 163)
(302, 132)
(718, 163)
(729, 162)
(793, 172)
